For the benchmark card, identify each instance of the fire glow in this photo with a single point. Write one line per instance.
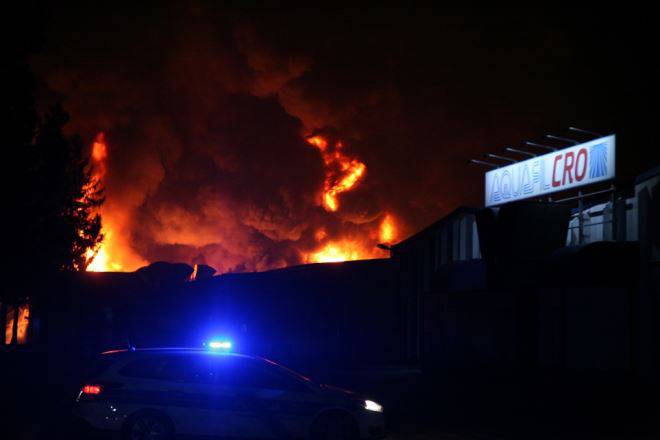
(98, 258)
(112, 255)
(335, 252)
(342, 173)
(387, 229)
(355, 249)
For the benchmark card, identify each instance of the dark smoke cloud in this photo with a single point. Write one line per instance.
(208, 158)
(206, 110)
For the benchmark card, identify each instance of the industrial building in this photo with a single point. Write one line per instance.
(532, 285)
(567, 286)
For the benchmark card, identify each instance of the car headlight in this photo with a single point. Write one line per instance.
(370, 405)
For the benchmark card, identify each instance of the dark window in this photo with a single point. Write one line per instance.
(148, 368)
(248, 374)
(228, 371)
(194, 369)
(177, 369)
(220, 370)
(251, 373)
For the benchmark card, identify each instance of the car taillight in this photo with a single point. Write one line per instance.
(91, 389)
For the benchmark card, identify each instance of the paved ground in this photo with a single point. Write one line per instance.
(476, 407)
(466, 408)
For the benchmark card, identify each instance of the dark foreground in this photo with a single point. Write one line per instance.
(441, 406)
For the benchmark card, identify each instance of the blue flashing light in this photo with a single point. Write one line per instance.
(220, 345)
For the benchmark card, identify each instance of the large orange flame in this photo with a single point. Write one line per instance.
(336, 251)
(388, 231)
(356, 248)
(113, 254)
(342, 172)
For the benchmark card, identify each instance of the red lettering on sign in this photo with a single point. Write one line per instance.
(569, 160)
(581, 168)
(556, 182)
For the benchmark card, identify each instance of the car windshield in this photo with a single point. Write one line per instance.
(290, 372)
(216, 369)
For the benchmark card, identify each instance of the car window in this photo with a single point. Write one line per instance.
(219, 370)
(148, 368)
(250, 373)
(187, 368)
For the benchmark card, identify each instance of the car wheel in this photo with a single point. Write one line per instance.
(148, 426)
(335, 426)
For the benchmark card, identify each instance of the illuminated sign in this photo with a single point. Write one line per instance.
(580, 165)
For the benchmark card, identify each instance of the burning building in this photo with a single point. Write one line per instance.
(221, 152)
(326, 239)
(230, 143)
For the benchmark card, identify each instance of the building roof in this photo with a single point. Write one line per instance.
(461, 210)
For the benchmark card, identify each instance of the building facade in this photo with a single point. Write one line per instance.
(545, 286)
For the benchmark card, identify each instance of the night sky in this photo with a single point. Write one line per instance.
(206, 111)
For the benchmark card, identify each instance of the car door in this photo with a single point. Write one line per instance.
(197, 403)
(269, 403)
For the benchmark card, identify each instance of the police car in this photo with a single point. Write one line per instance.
(159, 393)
